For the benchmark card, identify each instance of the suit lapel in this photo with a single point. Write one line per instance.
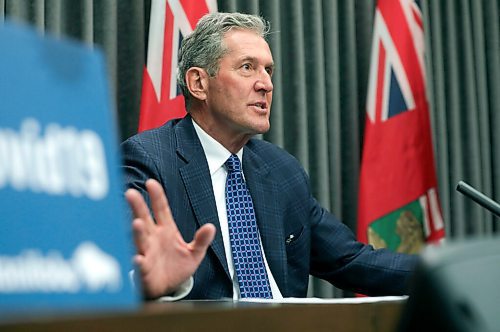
(265, 195)
(196, 178)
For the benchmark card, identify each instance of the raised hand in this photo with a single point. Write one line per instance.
(164, 258)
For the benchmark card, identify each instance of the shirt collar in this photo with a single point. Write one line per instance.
(215, 152)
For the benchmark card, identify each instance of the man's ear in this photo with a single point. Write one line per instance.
(197, 82)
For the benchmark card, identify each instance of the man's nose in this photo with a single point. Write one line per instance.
(264, 82)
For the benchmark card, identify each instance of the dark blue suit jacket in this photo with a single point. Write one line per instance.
(321, 245)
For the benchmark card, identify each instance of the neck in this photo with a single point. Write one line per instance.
(231, 140)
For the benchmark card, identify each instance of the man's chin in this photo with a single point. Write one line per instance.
(256, 128)
(262, 129)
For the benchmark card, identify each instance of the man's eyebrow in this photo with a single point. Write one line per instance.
(248, 58)
(254, 59)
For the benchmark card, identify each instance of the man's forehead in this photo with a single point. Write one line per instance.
(247, 44)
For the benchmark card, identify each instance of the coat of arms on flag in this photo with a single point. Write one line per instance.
(398, 203)
(170, 21)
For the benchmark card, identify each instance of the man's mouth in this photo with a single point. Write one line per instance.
(261, 105)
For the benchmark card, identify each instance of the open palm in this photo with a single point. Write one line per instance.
(164, 258)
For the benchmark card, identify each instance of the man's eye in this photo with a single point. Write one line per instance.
(246, 66)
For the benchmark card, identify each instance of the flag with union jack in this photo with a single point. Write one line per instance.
(170, 20)
(398, 204)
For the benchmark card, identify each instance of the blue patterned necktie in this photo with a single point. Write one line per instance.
(245, 243)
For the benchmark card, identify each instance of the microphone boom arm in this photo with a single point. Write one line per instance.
(479, 197)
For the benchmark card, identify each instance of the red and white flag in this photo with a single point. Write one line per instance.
(398, 206)
(161, 99)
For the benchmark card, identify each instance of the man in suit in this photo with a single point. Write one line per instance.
(225, 71)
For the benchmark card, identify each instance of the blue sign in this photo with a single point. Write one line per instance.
(65, 242)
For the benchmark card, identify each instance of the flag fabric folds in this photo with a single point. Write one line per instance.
(170, 20)
(398, 204)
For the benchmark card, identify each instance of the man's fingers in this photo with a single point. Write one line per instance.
(140, 235)
(159, 202)
(202, 239)
(140, 210)
(137, 203)
(139, 261)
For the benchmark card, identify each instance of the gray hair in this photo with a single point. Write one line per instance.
(204, 47)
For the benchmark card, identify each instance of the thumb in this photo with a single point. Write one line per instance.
(202, 239)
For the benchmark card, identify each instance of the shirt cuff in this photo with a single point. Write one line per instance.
(181, 292)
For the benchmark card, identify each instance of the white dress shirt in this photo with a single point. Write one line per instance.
(217, 155)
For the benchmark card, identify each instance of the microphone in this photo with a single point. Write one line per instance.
(479, 197)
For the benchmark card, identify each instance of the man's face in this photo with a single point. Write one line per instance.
(239, 96)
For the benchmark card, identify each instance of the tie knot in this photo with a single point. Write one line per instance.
(233, 164)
